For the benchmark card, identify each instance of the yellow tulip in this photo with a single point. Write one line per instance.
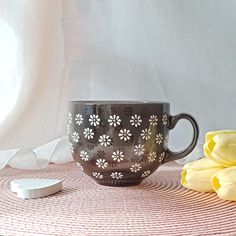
(197, 175)
(224, 183)
(221, 147)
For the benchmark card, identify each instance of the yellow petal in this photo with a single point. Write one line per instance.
(210, 135)
(225, 149)
(208, 147)
(198, 180)
(224, 183)
(221, 147)
(197, 174)
(201, 164)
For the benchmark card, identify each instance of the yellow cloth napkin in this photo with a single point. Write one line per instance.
(217, 170)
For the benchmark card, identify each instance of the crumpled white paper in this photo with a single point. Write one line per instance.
(56, 151)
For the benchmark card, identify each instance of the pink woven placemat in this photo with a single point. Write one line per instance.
(159, 206)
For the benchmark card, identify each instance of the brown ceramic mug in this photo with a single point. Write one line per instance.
(120, 143)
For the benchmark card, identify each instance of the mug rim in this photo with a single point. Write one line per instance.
(118, 102)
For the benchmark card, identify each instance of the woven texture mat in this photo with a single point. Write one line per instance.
(159, 206)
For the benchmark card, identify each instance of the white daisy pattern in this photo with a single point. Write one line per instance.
(84, 156)
(101, 163)
(94, 120)
(88, 133)
(139, 149)
(97, 175)
(161, 157)
(146, 173)
(69, 118)
(75, 137)
(152, 156)
(136, 120)
(80, 166)
(116, 175)
(125, 134)
(114, 120)
(164, 119)
(135, 167)
(104, 140)
(159, 138)
(153, 120)
(78, 119)
(146, 134)
(118, 156)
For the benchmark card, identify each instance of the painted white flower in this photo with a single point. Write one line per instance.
(105, 140)
(101, 163)
(78, 119)
(164, 119)
(88, 133)
(118, 156)
(116, 175)
(161, 157)
(135, 120)
(97, 175)
(125, 134)
(114, 120)
(146, 173)
(136, 167)
(159, 138)
(84, 156)
(75, 137)
(153, 120)
(139, 149)
(146, 134)
(80, 166)
(69, 118)
(94, 120)
(152, 156)
(72, 148)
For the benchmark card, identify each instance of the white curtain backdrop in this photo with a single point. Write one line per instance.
(53, 51)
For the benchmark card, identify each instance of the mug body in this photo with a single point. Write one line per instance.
(118, 143)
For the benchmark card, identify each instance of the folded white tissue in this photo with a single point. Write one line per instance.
(56, 151)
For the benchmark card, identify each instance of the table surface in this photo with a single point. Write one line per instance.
(159, 206)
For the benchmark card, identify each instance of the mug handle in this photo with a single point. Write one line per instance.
(171, 156)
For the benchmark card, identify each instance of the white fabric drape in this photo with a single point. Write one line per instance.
(31, 84)
(179, 51)
(39, 60)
